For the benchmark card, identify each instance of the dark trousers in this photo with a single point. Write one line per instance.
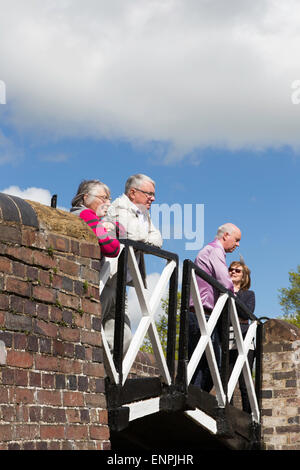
(242, 385)
(202, 376)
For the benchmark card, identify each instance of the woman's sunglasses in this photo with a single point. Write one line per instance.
(237, 270)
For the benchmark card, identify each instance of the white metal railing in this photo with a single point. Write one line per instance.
(225, 310)
(205, 346)
(148, 305)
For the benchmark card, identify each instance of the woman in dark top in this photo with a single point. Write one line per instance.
(240, 276)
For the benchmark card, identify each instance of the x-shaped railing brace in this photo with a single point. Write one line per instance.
(205, 345)
(146, 324)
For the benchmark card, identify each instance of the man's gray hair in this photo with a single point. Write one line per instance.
(89, 187)
(225, 228)
(136, 181)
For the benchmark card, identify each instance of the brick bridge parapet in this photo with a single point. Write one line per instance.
(52, 378)
(281, 386)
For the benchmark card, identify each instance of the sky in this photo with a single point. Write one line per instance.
(202, 96)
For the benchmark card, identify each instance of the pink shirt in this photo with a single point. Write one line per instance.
(110, 247)
(212, 260)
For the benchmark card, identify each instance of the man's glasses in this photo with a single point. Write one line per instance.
(237, 270)
(149, 194)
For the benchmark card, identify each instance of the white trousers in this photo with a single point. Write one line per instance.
(109, 330)
(108, 306)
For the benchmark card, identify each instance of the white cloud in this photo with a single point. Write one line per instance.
(134, 310)
(187, 74)
(33, 194)
(43, 196)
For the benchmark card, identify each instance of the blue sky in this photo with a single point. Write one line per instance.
(198, 98)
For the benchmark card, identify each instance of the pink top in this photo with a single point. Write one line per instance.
(212, 259)
(109, 246)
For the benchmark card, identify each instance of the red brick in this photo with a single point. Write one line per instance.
(21, 377)
(10, 234)
(68, 300)
(79, 319)
(88, 250)
(75, 247)
(95, 400)
(77, 432)
(57, 281)
(6, 432)
(35, 414)
(29, 237)
(49, 397)
(20, 253)
(22, 413)
(99, 432)
(103, 417)
(54, 415)
(90, 275)
(46, 329)
(27, 431)
(73, 399)
(94, 369)
(91, 337)
(18, 322)
(69, 334)
(104, 446)
(35, 379)
(73, 416)
(24, 395)
(91, 307)
(48, 381)
(45, 277)
(58, 243)
(19, 269)
(52, 432)
(8, 413)
(55, 314)
(43, 259)
(42, 311)
(46, 363)
(19, 359)
(4, 301)
(5, 265)
(69, 267)
(17, 286)
(20, 341)
(3, 395)
(44, 293)
(70, 366)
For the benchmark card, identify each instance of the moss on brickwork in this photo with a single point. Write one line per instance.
(62, 222)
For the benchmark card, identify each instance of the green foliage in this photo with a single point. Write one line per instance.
(289, 298)
(162, 327)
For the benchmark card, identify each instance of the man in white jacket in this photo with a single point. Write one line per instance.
(131, 210)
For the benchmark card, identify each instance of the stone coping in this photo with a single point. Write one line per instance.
(15, 210)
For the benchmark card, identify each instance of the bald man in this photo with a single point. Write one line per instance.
(212, 260)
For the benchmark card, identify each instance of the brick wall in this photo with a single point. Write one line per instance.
(281, 386)
(144, 366)
(51, 368)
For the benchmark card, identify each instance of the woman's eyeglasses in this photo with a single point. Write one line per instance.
(103, 198)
